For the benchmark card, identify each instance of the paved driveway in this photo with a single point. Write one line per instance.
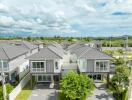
(42, 92)
(100, 93)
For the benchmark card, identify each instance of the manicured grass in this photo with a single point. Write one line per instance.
(24, 94)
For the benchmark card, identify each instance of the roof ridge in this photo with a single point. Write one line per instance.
(102, 52)
(85, 51)
(25, 44)
(54, 52)
(5, 53)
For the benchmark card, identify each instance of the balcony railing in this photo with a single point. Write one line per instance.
(4, 69)
(102, 70)
(38, 70)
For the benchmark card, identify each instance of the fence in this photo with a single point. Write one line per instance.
(23, 74)
(130, 87)
(19, 87)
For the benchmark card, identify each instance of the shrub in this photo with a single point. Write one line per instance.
(76, 86)
(120, 82)
(9, 88)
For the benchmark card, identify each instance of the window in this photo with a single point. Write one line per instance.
(56, 65)
(105, 65)
(48, 78)
(38, 64)
(34, 65)
(0, 64)
(97, 66)
(40, 78)
(44, 78)
(42, 64)
(101, 65)
(5, 64)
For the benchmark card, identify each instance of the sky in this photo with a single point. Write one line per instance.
(66, 17)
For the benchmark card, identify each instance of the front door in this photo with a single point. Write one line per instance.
(56, 78)
(96, 77)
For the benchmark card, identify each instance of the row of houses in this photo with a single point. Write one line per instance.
(50, 63)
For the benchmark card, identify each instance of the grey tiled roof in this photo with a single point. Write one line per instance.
(75, 46)
(3, 54)
(4, 44)
(11, 52)
(25, 44)
(37, 42)
(45, 54)
(57, 46)
(59, 52)
(90, 53)
(12, 49)
(29, 45)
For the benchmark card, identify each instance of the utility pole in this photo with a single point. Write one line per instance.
(3, 81)
(110, 41)
(126, 42)
(126, 48)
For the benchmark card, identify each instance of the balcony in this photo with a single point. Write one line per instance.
(102, 69)
(38, 70)
(4, 69)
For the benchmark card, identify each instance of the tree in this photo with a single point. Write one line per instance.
(119, 61)
(29, 38)
(120, 51)
(76, 86)
(109, 52)
(120, 81)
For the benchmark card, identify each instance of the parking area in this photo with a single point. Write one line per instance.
(43, 92)
(100, 93)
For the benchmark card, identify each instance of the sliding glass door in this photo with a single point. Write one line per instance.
(44, 78)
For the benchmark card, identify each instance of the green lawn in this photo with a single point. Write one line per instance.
(24, 94)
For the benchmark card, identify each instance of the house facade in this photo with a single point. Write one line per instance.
(91, 61)
(46, 65)
(12, 58)
(52, 62)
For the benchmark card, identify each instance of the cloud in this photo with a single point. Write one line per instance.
(24, 24)
(89, 9)
(3, 8)
(6, 21)
(52, 17)
(120, 13)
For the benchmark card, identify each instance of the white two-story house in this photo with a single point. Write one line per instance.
(12, 58)
(46, 65)
(91, 61)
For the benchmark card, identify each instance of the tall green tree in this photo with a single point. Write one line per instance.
(76, 86)
(120, 81)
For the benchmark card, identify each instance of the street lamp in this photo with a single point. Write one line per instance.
(3, 80)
